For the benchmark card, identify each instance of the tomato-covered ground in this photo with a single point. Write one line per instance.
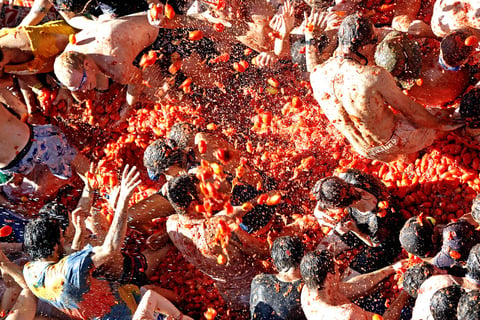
(273, 118)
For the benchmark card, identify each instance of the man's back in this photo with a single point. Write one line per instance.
(317, 309)
(347, 92)
(121, 39)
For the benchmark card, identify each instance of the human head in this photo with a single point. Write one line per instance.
(41, 237)
(416, 237)
(183, 133)
(469, 306)
(473, 263)
(415, 276)
(287, 252)
(444, 302)
(315, 266)
(160, 155)
(334, 192)
(56, 211)
(181, 191)
(399, 55)
(76, 71)
(356, 31)
(454, 53)
(469, 110)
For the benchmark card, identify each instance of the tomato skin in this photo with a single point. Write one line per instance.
(195, 35)
(169, 12)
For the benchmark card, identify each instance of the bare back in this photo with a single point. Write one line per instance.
(15, 135)
(450, 15)
(347, 92)
(115, 42)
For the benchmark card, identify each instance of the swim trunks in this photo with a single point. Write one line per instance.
(48, 146)
(406, 139)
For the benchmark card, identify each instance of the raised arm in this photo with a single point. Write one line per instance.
(116, 234)
(37, 13)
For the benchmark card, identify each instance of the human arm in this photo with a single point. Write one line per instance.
(314, 24)
(252, 245)
(395, 309)
(76, 21)
(283, 24)
(12, 270)
(152, 302)
(37, 13)
(78, 221)
(364, 283)
(413, 111)
(116, 234)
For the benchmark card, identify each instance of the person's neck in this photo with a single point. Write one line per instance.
(292, 274)
(470, 283)
(346, 53)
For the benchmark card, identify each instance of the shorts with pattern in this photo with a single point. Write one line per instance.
(49, 147)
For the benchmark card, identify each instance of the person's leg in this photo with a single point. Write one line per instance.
(24, 307)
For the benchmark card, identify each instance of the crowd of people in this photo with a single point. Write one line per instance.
(389, 89)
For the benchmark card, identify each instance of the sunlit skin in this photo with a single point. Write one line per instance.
(450, 15)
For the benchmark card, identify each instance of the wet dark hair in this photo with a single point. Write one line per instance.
(333, 192)
(416, 237)
(473, 263)
(160, 155)
(314, 268)
(469, 108)
(356, 31)
(415, 276)
(454, 51)
(181, 191)
(41, 236)
(469, 306)
(444, 302)
(476, 209)
(399, 55)
(287, 252)
(56, 211)
(179, 134)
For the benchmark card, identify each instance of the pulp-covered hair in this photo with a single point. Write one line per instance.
(444, 302)
(162, 154)
(182, 133)
(181, 191)
(314, 268)
(416, 237)
(287, 252)
(66, 63)
(399, 55)
(334, 192)
(469, 108)
(356, 31)
(454, 51)
(56, 211)
(473, 263)
(41, 236)
(415, 276)
(469, 306)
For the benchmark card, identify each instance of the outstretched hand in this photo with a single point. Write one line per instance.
(319, 21)
(130, 180)
(283, 21)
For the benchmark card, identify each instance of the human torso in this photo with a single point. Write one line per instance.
(15, 135)
(116, 42)
(421, 310)
(282, 297)
(193, 240)
(316, 309)
(346, 92)
(69, 286)
(450, 15)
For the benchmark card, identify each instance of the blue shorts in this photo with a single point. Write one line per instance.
(49, 147)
